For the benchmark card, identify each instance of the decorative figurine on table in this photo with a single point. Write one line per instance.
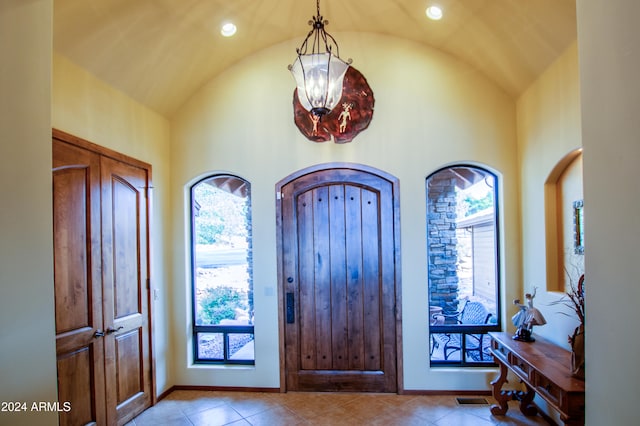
(526, 318)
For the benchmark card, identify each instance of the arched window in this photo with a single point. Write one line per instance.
(222, 270)
(463, 264)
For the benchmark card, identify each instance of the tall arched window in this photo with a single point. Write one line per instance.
(222, 270)
(463, 264)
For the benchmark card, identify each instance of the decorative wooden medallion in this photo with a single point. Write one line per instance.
(351, 116)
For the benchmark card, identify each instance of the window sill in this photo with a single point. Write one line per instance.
(203, 366)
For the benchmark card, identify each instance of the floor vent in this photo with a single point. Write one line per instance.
(466, 401)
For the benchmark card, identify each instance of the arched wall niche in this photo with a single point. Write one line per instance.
(563, 193)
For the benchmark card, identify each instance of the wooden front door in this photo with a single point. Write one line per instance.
(339, 250)
(100, 283)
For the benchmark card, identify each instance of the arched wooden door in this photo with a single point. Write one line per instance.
(338, 253)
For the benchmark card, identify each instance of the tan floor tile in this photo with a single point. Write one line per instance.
(336, 398)
(217, 416)
(154, 418)
(367, 408)
(248, 407)
(333, 419)
(163, 413)
(202, 403)
(462, 418)
(330, 411)
(318, 405)
(398, 419)
(202, 408)
(278, 416)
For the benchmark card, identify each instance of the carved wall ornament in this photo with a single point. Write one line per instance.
(352, 115)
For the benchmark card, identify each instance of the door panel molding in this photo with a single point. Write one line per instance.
(355, 197)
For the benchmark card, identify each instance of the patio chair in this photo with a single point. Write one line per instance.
(471, 313)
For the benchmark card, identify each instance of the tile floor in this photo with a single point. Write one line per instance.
(213, 408)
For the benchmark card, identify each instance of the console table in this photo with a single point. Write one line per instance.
(544, 368)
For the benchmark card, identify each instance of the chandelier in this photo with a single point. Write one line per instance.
(318, 69)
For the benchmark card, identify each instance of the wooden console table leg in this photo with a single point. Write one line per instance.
(571, 421)
(526, 399)
(501, 396)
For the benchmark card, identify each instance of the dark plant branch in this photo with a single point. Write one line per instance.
(574, 299)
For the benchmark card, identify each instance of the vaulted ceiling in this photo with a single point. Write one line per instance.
(160, 52)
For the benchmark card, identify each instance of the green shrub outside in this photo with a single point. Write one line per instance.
(220, 303)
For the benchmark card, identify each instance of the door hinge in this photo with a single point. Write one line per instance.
(148, 283)
(147, 190)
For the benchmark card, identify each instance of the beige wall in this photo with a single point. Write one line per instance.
(88, 108)
(27, 346)
(548, 130)
(609, 61)
(428, 114)
(548, 117)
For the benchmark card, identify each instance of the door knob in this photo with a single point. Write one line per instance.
(98, 333)
(112, 330)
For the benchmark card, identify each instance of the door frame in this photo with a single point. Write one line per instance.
(395, 184)
(106, 152)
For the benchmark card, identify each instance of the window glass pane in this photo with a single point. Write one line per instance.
(241, 346)
(211, 346)
(438, 342)
(222, 252)
(462, 261)
(223, 308)
(478, 348)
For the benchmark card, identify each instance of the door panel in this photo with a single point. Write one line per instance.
(373, 284)
(126, 299)
(355, 279)
(338, 261)
(338, 278)
(73, 298)
(75, 385)
(78, 283)
(130, 377)
(125, 237)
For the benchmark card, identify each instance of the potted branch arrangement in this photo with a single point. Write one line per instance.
(574, 299)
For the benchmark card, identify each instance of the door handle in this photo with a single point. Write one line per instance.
(291, 317)
(112, 330)
(98, 333)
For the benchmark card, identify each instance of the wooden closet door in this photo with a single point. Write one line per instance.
(125, 289)
(78, 284)
(101, 259)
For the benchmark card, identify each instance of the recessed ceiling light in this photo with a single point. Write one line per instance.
(228, 29)
(434, 12)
